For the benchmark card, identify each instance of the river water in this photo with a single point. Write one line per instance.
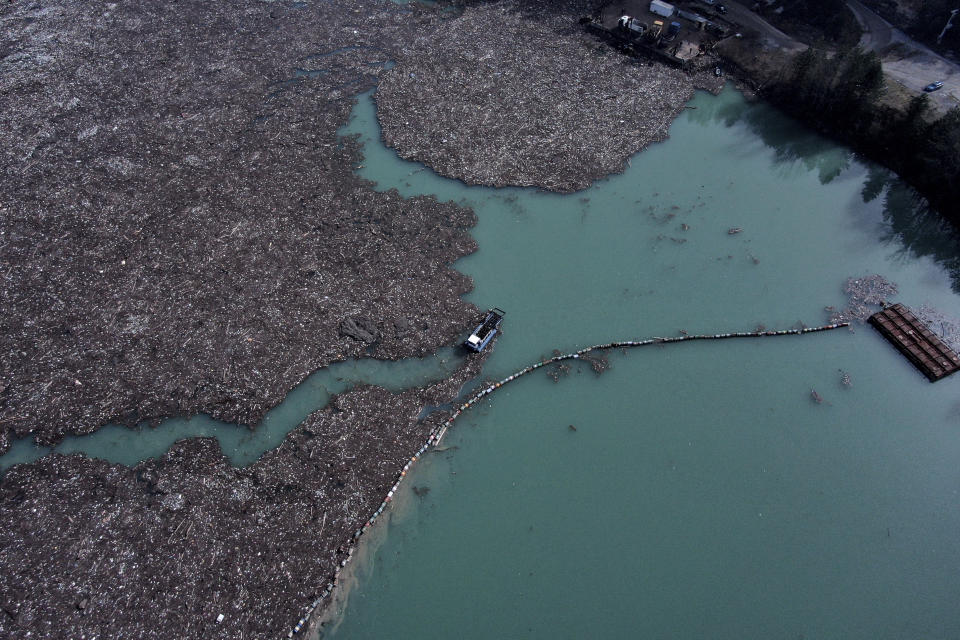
(694, 490)
(240, 444)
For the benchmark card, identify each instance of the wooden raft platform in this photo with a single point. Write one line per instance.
(914, 340)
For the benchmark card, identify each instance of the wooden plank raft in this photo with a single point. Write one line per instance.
(914, 340)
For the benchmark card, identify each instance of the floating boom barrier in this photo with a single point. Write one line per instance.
(437, 434)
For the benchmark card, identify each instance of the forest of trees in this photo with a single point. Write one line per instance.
(838, 93)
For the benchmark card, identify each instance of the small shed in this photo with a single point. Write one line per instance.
(695, 18)
(661, 8)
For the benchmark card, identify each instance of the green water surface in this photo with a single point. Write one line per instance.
(703, 494)
(242, 445)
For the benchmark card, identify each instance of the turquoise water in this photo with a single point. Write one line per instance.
(240, 444)
(703, 493)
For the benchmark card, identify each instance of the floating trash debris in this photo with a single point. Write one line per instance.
(541, 72)
(865, 295)
(943, 325)
(845, 379)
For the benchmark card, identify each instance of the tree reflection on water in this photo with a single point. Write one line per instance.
(909, 223)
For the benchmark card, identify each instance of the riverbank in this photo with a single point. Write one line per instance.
(887, 123)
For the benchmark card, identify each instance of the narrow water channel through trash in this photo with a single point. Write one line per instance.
(240, 444)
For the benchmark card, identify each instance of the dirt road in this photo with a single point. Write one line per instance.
(740, 14)
(908, 62)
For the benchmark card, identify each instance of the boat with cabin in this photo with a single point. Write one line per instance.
(485, 331)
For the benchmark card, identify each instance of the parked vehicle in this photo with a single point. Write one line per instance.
(721, 8)
(632, 26)
(933, 86)
(715, 29)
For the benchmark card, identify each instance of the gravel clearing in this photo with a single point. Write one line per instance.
(501, 97)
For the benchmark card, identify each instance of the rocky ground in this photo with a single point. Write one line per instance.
(181, 231)
(500, 96)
